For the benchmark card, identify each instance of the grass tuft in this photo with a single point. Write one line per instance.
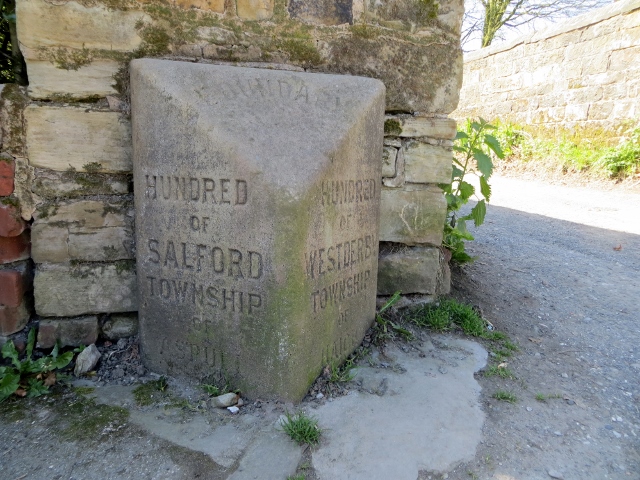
(505, 396)
(301, 428)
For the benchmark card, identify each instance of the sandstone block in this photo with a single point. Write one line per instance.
(424, 163)
(50, 184)
(120, 326)
(77, 26)
(412, 215)
(7, 170)
(433, 127)
(70, 332)
(14, 319)
(322, 12)
(389, 155)
(62, 138)
(255, 9)
(211, 5)
(46, 81)
(86, 230)
(257, 230)
(64, 291)
(411, 270)
(14, 249)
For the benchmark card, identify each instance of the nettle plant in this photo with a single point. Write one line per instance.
(473, 148)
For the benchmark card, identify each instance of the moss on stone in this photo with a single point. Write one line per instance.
(300, 51)
(392, 127)
(66, 58)
(10, 201)
(84, 419)
(123, 266)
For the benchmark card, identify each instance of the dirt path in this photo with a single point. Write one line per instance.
(559, 271)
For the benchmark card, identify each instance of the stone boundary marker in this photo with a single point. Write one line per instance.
(257, 199)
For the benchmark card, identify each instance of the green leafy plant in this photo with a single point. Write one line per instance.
(474, 146)
(30, 377)
(301, 428)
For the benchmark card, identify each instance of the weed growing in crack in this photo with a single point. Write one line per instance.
(301, 428)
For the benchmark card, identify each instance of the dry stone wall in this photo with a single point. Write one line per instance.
(67, 137)
(584, 73)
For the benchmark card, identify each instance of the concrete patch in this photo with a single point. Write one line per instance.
(422, 414)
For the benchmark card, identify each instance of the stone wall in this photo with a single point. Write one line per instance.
(68, 136)
(585, 72)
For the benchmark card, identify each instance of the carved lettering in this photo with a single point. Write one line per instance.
(339, 256)
(224, 191)
(339, 291)
(202, 257)
(205, 295)
(340, 192)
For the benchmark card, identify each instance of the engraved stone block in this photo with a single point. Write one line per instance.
(257, 207)
(413, 215)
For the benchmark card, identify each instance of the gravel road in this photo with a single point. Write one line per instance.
(559, 271)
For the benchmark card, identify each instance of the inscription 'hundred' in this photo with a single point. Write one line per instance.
(338, 192)
(193, 189)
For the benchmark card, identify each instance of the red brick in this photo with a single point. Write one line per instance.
(13, 319)
(71, 332)
(7, 171)
(11, 288)
(13, 249)
(11, 224)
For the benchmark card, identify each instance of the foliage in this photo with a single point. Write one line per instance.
(474, 147)
(572, 151)
(30, 377)
(12, 66)
(301, 428)
(489, 19)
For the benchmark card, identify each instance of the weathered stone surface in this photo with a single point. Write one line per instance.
(86, 360)
(77, 26)
(424, 163)
(120, 326)
(411, 270)
(433, 127)
(72, 138)
(50, 184)
(256, 214)
(64, 290)
(213, 5)
(46, 81)
(72, 332)
(86, 230)
(322, 12)
(412, 215)
(255, 9)
(389, 155)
